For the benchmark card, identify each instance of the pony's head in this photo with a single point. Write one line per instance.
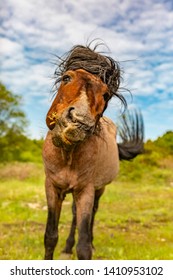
(88, 80)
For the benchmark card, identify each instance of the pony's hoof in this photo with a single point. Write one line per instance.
(65, 256)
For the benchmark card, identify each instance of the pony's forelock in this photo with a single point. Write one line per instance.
(105, 67)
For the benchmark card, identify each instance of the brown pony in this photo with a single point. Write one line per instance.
(80, 151)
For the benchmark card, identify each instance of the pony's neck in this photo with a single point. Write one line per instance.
(67, 155)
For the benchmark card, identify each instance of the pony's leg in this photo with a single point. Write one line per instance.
(71, 238)
(84, 205)
(98, 194)
(54, 203)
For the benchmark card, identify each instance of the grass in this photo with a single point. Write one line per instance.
(134, 221)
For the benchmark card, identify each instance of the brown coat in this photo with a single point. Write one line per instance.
(93, 161)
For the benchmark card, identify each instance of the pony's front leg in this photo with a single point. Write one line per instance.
(54, 203)
(84, 206)
(71, 238)
(98, 194)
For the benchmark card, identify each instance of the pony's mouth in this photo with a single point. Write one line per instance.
(71, 134)
(67, 141)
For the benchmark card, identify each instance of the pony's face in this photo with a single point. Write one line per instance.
(77, 107)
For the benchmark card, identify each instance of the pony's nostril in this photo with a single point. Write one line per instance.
(70, 114)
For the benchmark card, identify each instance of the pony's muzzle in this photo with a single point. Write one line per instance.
(72, 127)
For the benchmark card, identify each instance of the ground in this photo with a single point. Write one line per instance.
(134, 221)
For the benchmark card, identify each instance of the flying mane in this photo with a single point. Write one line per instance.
(80, 57)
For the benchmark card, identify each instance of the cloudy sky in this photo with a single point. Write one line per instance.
(139, 34)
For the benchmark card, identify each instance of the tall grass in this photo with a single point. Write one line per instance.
(134, 221)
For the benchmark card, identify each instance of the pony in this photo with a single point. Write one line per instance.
(80, 152)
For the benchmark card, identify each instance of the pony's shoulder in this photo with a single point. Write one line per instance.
(108, 124)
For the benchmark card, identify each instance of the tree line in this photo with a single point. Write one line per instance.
(15, 145)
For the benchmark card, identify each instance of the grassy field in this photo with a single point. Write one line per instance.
(134, 221)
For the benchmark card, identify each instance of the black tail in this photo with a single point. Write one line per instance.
(131, 132)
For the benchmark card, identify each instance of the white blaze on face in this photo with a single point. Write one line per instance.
(82, 107)
(83, 103)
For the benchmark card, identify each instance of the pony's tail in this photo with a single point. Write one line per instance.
(131, 132)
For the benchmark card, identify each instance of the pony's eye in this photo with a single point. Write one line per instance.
(66, 78)
(106, 96)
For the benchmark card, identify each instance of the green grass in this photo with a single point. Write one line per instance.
(134, 221)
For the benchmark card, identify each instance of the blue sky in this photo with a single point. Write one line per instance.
(139, 35)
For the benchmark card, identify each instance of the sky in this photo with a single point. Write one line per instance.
(138, 34)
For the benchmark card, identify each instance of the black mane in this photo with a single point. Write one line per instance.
(81, 57)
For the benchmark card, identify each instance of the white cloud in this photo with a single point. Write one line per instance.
(9, 47)
(140, 31)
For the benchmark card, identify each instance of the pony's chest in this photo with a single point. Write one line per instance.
(69, 178)
(72, 172)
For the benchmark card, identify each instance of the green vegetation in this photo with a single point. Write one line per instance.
(134, 221)
(135, 217)
(14, 144)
